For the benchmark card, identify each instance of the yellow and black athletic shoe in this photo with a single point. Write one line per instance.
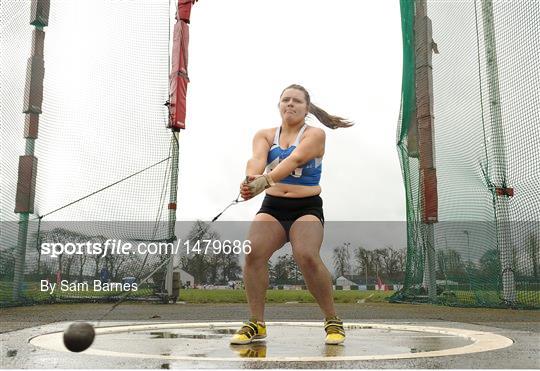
(250, 331)
(335, 333)
(253, 350)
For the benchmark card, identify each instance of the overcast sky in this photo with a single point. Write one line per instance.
(106, 81)
(242, 53)
(347, 53)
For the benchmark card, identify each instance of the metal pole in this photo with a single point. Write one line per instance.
(430, 261)
(425, 121)
(468, 246)
(18, 277)
(502, 194)
(444, 262)
(468, 259)
(172, 211)
(33, 98)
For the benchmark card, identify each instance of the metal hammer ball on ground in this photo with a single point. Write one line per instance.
(79, 336)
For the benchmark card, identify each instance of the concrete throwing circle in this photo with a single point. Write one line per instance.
(286, 341)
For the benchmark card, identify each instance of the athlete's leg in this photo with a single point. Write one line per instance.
(266, 235)
(306, 237)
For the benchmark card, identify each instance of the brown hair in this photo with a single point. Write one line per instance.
(331, 121)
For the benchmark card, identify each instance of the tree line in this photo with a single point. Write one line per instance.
(361, 264)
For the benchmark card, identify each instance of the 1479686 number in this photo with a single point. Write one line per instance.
(217, 247)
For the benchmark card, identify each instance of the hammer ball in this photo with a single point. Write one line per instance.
(79, 336)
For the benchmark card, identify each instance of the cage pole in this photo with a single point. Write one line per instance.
(178, 83)
(502, 193)
(26, 178)
(172, 213)
(423, 44)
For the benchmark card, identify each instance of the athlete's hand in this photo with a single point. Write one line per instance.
(244, 188)
(258, 184)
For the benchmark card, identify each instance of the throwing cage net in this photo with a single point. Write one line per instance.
(103, 147)
(468, 140)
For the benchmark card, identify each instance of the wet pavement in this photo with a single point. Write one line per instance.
(289, 344)
(380, 343)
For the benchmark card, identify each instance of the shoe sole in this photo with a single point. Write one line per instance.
(334, 342)
(255, 338)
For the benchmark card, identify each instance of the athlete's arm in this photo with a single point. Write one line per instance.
(257, 162)
(311, 146)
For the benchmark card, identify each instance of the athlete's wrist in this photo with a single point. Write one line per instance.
(270, 181)
(259, 184)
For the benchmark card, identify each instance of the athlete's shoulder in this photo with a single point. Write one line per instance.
(265, 132)
(265, 135)
(317, 133)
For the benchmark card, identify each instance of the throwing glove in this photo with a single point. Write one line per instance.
(259, 184)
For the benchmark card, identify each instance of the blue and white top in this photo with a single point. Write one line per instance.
(309, 174)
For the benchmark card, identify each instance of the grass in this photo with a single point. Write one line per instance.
(487, 297)
(460, 298)
(279, 296)
(33, 292)
(197, 296)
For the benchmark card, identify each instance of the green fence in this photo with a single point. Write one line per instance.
(468, 141)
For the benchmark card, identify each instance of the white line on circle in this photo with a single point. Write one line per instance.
(481, 342)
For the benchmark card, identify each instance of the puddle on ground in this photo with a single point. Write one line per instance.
(282, 341)
(224, 331)
(175, 335)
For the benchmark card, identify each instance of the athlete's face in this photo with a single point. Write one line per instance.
(293, 106)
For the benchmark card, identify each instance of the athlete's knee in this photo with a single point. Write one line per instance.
(256, 258)
(307, 261)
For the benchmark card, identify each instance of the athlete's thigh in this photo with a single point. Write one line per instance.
(306, 235)
(266, 235)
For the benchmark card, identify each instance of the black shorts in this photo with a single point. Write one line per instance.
(286, 210)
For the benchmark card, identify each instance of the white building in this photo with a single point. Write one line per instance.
(186, 279)
(345, 283)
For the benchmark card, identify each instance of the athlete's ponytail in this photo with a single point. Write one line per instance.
(331, 121)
